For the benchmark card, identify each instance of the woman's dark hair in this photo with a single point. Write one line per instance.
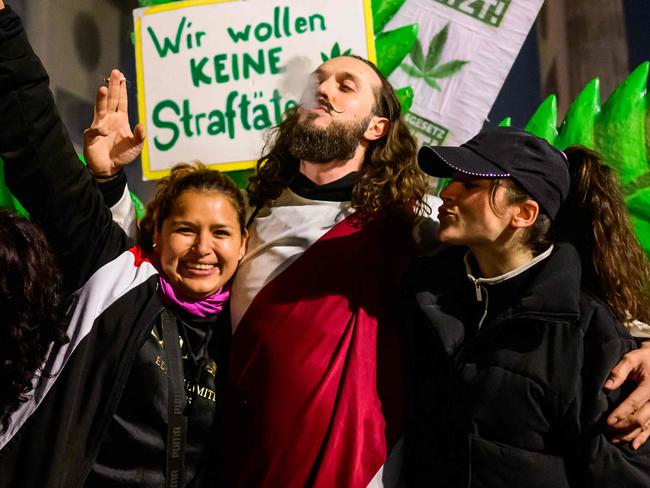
(185, 177)
(390, 177)
(595, 220)
(33, 309)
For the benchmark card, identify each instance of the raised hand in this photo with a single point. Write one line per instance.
(110, 143)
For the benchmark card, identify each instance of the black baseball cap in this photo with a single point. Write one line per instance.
(506, 152)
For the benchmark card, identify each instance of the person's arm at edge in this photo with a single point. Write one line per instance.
(41, 166)
(631, 419)
(604, 461)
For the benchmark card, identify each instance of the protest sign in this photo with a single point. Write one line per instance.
(214, 75)
(464, 52)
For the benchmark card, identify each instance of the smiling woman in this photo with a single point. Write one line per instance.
(134, 398)
(195, 227)
(194, 235)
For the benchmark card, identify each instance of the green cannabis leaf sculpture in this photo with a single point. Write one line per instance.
(428, 68)
(619, 130)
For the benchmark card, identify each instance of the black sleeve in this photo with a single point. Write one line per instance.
(113, 189)
(41, 165)
(604, 463)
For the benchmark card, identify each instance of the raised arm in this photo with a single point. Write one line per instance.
(41, 165)
(109, 145)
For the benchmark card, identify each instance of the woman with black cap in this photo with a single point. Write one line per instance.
(516, 326)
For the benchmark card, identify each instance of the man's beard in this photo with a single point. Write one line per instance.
(338, 141)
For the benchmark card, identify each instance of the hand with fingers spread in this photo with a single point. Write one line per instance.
(630, 421)
(110, 143)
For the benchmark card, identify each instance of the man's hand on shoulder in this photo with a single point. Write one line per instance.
(630, 421)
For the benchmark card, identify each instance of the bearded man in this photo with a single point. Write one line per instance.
(316, 351)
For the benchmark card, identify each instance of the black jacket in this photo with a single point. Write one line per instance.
(518, 402)
(54, 437)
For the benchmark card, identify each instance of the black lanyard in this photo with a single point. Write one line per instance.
(176, 419)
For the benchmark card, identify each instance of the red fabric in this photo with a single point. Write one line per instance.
(140, 256)
(316, 366)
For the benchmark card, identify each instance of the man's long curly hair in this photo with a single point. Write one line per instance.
(33, 309)
(391, 181)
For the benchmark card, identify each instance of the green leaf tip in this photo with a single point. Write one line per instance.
(578, 125)
(642, 230)
(241, 177)
(151, 3)
(140, 209)
(436, 46)
(638, 203)
(405, 97)
(7, 200)
(543, 123)
(383, 11)
(393, 46)
(619, 133)
(417, 56)
(507, 122)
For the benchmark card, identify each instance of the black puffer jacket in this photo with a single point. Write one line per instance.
(518, 403)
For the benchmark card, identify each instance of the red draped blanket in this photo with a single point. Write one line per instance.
(316, 365)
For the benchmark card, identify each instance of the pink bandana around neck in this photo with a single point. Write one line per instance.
(202, 308)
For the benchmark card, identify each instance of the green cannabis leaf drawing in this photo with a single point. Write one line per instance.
(335, 52)
(428, 68)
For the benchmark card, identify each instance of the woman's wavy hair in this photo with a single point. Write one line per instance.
(33, 309)
(184, 177)
(391, 180)
(595, 220)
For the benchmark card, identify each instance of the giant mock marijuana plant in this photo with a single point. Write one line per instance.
(619, 130)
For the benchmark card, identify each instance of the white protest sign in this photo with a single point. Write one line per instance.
(214, 75)
(466, 49)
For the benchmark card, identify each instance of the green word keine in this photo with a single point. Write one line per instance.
(213, 75)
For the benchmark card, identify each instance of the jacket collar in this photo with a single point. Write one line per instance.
(440, 287)
(556, 289)
(504, 276)
(479, 282)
